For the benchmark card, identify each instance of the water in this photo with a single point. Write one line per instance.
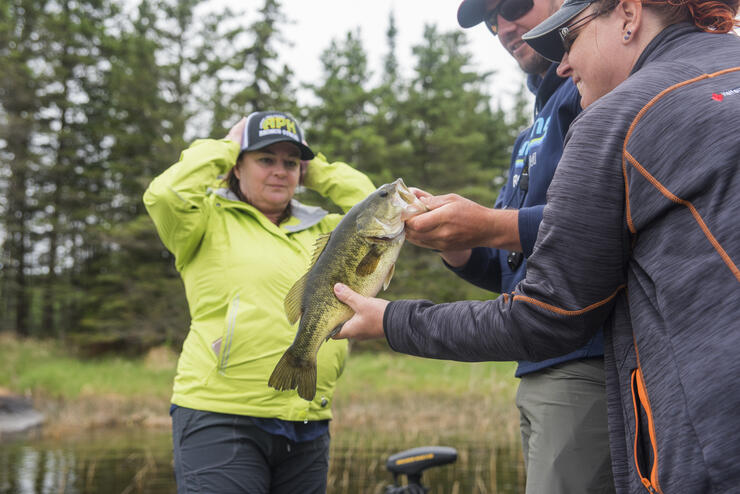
(128, 461)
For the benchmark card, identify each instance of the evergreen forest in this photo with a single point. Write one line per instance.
(99, 96)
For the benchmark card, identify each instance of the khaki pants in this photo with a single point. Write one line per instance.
(564, 433)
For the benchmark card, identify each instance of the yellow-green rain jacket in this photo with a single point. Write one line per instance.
(237, 267)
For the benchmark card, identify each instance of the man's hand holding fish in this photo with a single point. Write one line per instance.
(367, 322)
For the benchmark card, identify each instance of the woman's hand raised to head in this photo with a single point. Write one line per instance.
(304, 166)
(237, 131)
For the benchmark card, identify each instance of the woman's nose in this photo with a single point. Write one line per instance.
(564, 69)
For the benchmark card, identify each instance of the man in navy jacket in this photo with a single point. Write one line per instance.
(562, 400)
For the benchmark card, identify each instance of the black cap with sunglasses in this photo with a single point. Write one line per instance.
(550, 38)
(473, 12)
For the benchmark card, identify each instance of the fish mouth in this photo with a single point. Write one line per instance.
(404, 192)
(410, 204)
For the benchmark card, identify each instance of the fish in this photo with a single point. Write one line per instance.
(360, 252)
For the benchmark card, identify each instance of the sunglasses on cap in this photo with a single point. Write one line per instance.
(510, 10)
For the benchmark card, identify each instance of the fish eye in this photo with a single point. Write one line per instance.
(383, 193)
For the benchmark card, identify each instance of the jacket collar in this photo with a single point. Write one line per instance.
(302, 216)
(544, 87)
(656, 46)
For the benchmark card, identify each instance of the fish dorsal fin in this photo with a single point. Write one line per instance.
(319, 246)
(294, 297)
(293, 300)
(389, 277)
(369, 263)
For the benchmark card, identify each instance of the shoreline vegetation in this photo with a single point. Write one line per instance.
(381, 393)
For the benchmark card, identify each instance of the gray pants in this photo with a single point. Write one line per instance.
(564, 432)
(228, 454)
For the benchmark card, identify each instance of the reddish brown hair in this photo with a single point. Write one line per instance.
(712, 16)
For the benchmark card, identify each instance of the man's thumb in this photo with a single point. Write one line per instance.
(345, 294)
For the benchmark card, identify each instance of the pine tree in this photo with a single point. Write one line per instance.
(21, 48)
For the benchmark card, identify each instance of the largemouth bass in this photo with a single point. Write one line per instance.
(361, 253)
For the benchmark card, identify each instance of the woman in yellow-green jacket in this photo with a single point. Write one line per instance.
(239, 245)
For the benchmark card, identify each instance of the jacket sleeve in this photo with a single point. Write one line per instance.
(529, 224)
(574, 275)
(176, 199)
(338, 181)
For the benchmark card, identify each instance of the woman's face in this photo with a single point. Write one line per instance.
(268, 177)
(598, 60)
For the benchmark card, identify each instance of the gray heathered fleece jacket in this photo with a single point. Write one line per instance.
(641, 234)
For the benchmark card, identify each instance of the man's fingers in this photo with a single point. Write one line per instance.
(434, 202)
(422, 223)
(420, 193)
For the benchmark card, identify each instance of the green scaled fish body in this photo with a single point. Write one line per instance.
(361, 253)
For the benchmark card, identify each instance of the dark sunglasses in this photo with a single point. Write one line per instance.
(568, 34)
(510, 10)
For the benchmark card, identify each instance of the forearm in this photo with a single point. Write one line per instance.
(458, 224)
(175, 199)
(185, 183)
(503, 230)
(473, 331)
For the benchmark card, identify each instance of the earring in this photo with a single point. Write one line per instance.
(627, 36)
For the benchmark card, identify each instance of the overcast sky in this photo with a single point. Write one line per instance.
(317, 22)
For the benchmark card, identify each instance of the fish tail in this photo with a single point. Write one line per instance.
(292, 372)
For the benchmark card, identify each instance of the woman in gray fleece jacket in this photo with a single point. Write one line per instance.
(640, 235)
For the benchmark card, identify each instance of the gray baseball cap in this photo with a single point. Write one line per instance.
(545, 37)
(268, 127)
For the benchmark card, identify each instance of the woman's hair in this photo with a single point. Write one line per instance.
(712, 16)
(233, 183)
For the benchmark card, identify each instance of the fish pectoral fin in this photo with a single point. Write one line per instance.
(389, 277)
(369, 263)
(334, 331)
(293, 300)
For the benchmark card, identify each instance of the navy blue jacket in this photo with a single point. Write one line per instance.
(539, 148)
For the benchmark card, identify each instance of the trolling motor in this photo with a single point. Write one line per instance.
(412, 463)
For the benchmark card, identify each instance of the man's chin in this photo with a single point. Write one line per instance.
(533, 63)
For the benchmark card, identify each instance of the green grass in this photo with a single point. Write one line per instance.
(45, 368)
(380, 391)
(395, 373)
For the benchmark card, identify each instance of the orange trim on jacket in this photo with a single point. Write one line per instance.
(661, 188)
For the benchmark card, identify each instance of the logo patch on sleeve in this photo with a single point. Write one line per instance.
(722, 95)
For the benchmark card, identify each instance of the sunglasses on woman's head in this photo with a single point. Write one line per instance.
(510, 10)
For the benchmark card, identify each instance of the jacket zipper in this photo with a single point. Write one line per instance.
(638, 383)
